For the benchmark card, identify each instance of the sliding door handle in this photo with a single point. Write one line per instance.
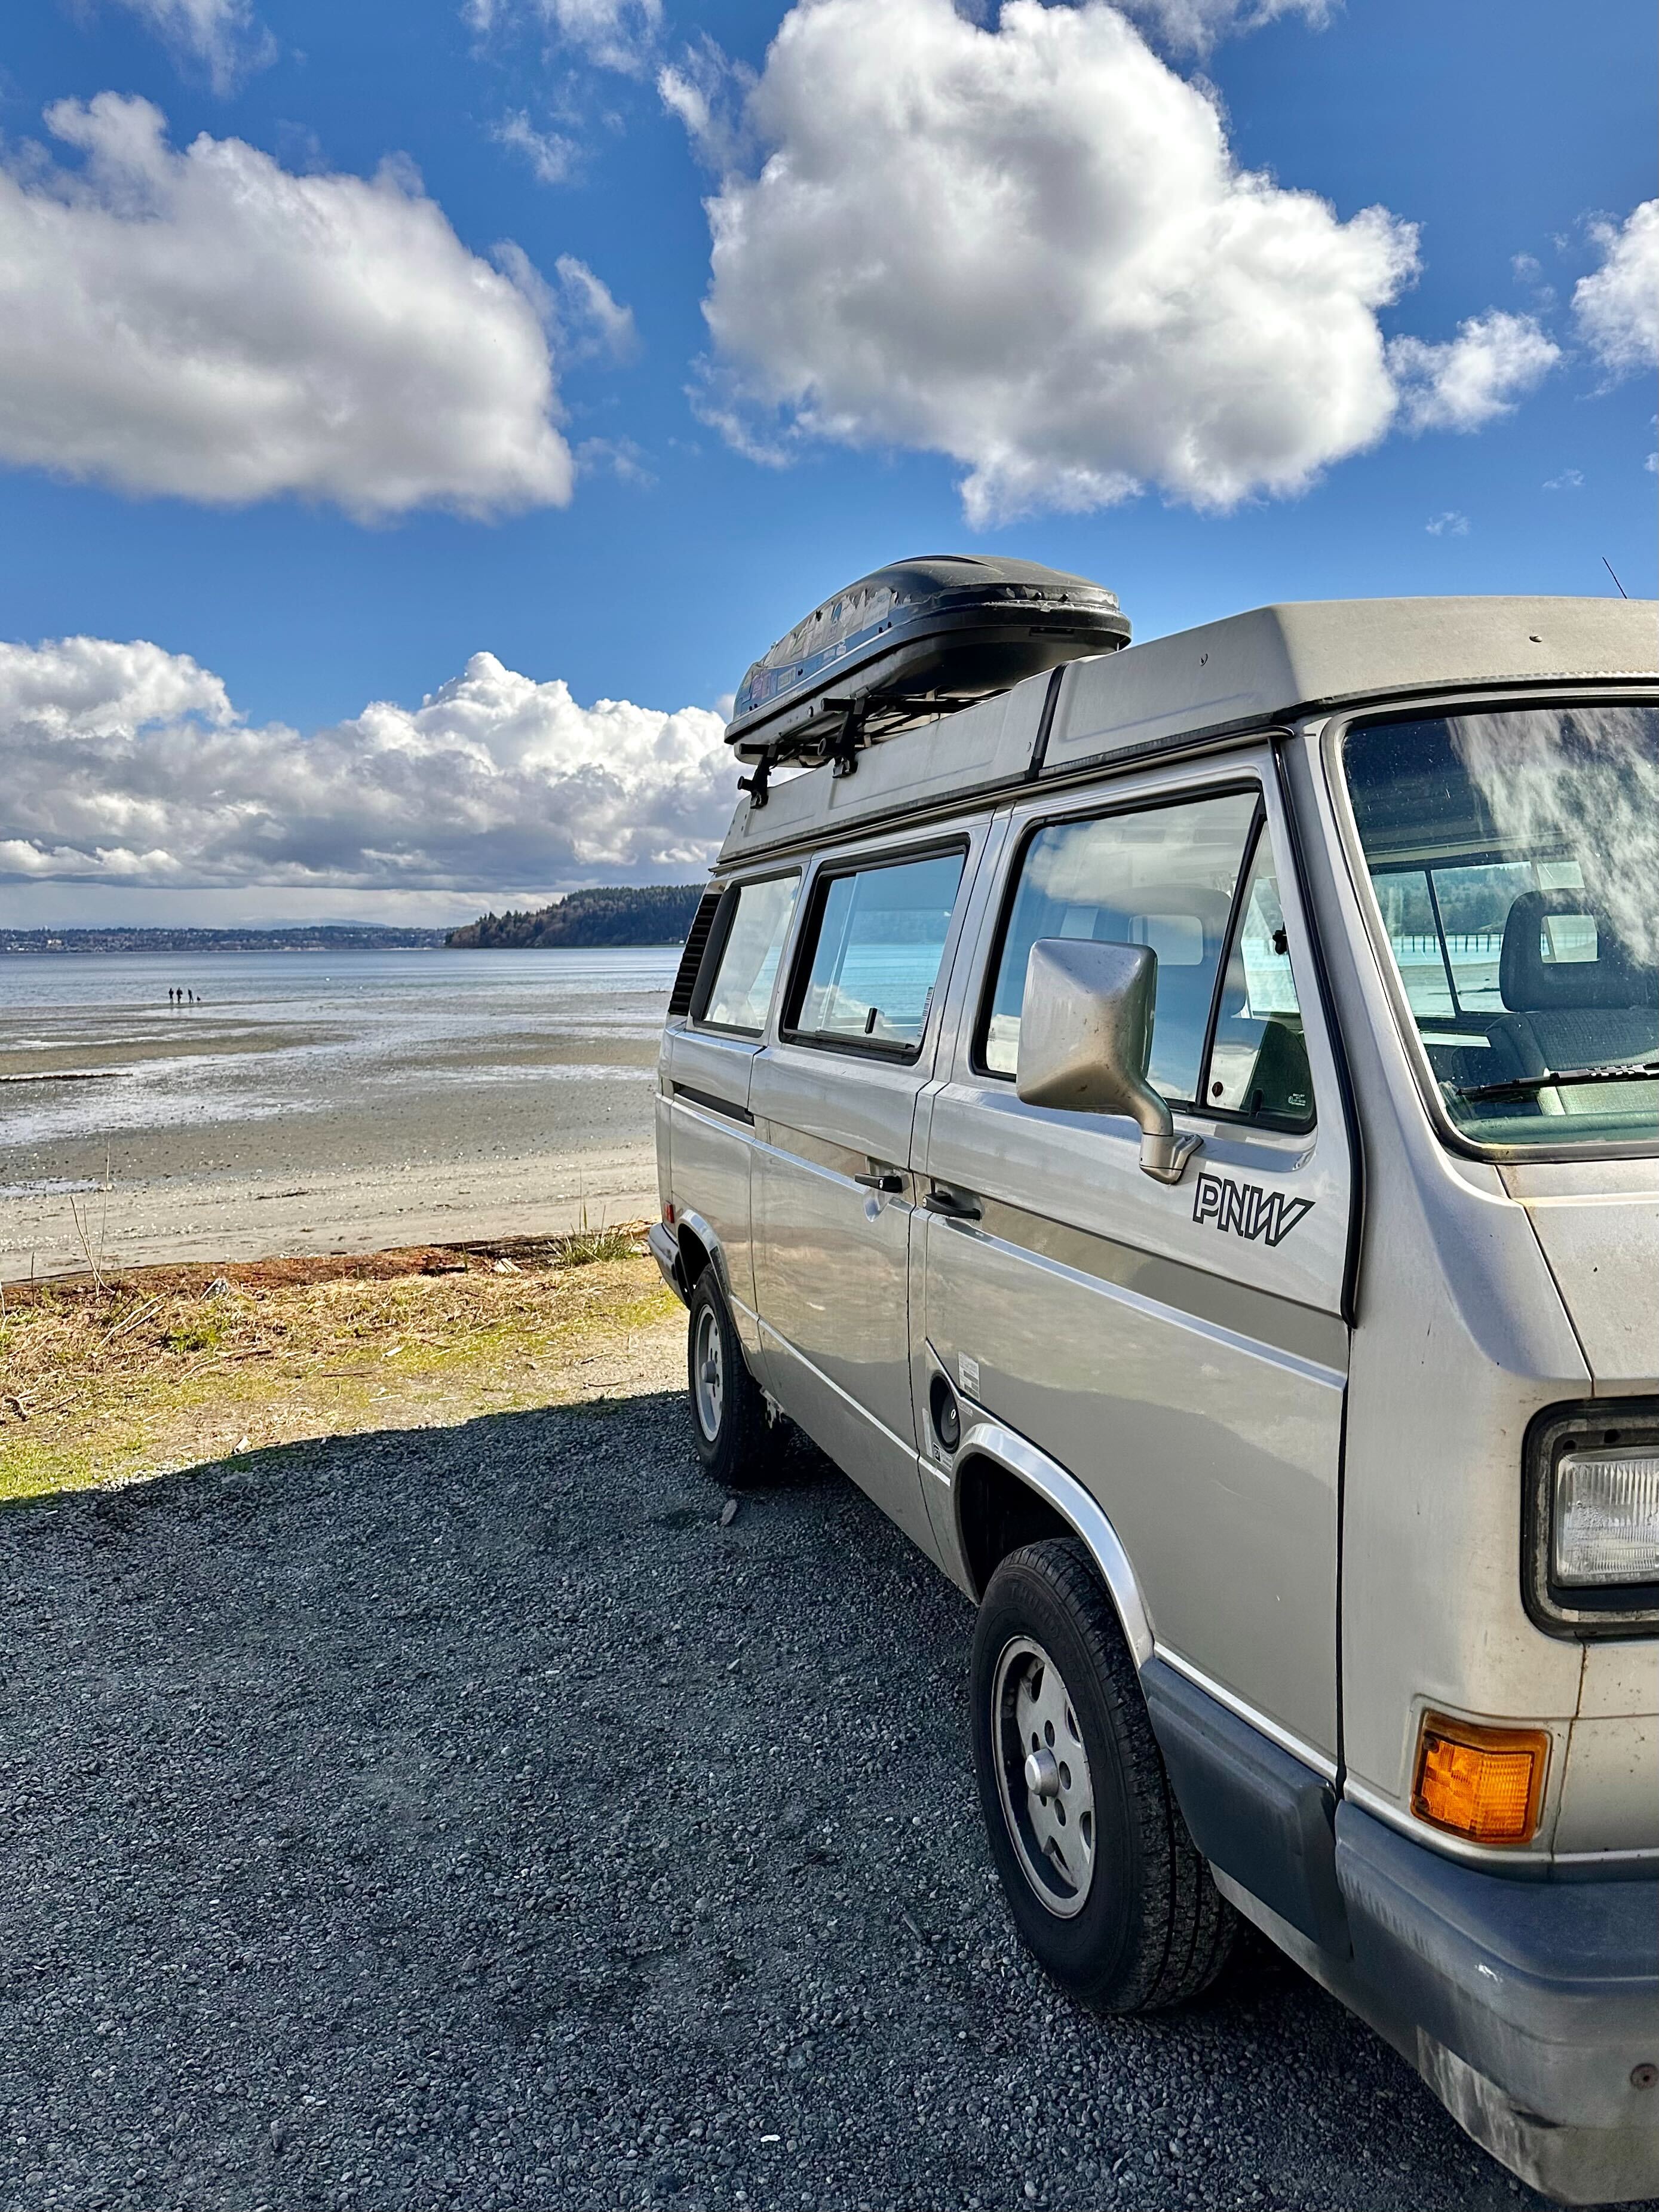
(891, 1186)
(954, 1205)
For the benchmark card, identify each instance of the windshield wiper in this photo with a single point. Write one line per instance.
(1528, 1086)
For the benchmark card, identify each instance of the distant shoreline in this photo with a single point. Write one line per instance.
(639, 917)
(67, 945)
(323, 938)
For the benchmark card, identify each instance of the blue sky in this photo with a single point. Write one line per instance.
(1517, 140)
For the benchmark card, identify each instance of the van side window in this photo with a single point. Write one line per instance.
(1259, 1060)
(874, 943)
(741, 990)
(1164, 877)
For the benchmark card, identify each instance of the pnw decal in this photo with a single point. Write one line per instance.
(1247, 1209)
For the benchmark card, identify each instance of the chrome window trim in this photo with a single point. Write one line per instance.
(1330, 742)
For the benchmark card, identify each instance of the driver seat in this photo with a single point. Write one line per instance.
(1573, 1012)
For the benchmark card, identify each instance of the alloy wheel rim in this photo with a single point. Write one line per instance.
(709, 1375)
(1043, 1777)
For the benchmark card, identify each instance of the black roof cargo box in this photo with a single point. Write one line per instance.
(913, 640)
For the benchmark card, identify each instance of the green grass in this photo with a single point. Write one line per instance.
(104, 1388)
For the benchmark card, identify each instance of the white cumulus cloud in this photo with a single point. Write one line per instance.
(124, 766)
(206, 324)
(1494, 360)
(1028, 245)
(1617, 306)
(222, 35)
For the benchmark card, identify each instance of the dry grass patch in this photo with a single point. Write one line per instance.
(165, 1368)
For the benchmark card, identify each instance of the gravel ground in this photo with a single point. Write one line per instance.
(466, 1817)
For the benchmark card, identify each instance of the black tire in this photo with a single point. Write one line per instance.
(728, 1420)
(1132, 1922)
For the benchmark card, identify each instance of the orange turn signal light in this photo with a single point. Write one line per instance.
(1484, 1784)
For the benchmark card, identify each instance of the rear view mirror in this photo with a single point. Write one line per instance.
(1085, 1042)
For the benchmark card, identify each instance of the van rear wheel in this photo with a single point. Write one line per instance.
(1106, 1887)
(728, 1410)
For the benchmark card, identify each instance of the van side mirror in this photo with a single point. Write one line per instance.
(1085, 1042)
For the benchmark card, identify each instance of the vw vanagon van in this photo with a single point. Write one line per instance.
(1182, 1132)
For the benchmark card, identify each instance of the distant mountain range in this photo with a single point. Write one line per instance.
(656, 914)
(325, 937)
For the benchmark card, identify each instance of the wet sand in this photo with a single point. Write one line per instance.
(242, 1135)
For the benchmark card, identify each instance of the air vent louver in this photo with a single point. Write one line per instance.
(696, 942)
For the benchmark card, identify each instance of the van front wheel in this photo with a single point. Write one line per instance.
(728, 1413)
(1105, 1884)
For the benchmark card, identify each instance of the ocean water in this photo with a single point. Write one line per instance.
(284, 1034)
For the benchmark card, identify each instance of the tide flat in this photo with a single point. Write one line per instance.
(321, 1101)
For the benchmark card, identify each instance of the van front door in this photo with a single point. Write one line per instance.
(834, 1101)
(1180, 1349)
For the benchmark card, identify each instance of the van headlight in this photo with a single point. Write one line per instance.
(1593, 1519)
(1605, 1519)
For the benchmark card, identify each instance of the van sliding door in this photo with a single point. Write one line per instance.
(834, 1100)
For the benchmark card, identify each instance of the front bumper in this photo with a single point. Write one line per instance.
(1530, 2008)
(666, 1253)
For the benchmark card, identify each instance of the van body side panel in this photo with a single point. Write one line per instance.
(1212, 1448)
(833, 1256)
(1180, 1351)
(710, 1144)
(1461, 1338)
(832, 1263)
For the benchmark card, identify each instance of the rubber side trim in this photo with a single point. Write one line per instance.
(1255, 1812)
(711, 1104)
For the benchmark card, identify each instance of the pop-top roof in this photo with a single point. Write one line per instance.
(1249, 670)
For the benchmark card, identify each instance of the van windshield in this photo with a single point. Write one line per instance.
(1515, 857)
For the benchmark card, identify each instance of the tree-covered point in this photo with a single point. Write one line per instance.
(655, 913)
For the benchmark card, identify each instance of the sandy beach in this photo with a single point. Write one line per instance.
(320, 1104)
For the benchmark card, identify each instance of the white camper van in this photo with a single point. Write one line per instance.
(1183, 1133)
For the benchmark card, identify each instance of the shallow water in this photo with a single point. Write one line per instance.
(321, 1101)
(279, 1034)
